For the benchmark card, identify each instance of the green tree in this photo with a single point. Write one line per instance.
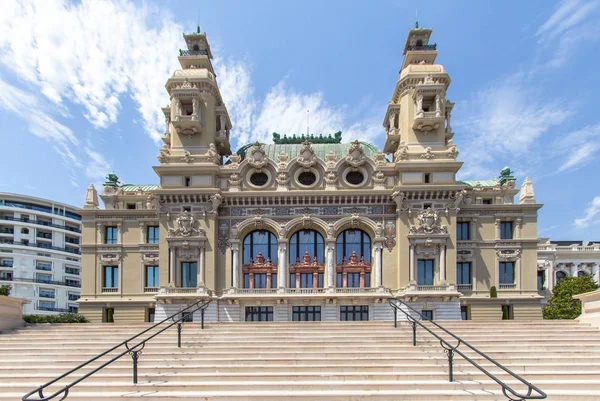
(5, 290)
(561, 304)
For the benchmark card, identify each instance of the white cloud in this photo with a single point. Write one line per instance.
(284, 110)
(506, 120)
(91, 53)
(590, 212)
(577, 148)
(573, 24)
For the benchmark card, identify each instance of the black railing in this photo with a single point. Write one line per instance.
(41, 245)
(450, 350)
(134, 351)
(421, 47)
(193, 52)
(41, 223)
(42, 281)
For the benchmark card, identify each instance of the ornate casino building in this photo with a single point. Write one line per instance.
(318, 227)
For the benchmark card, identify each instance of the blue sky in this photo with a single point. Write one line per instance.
(82, 83)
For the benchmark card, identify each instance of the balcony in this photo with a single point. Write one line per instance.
(421, 48)
(9, 277)
(41, 223)
(151, 289)
(43, 245)
(44, 236)
(7, 231)
(415, 291)
(307, 292)
(6, 263)
(73, 297)
(187, 124)
(72, 283)
(71, 270)
(47, 294)
(464, 287)
(426, 121)
(43, 266)
(51, 309)
(511, 286)
(188, 53)
(70, 240)
(106, 290)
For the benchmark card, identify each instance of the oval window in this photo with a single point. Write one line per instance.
(355, 177)
(259, 179)
(307, 178)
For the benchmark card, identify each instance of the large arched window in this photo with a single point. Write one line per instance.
(350, 241)
(263, 242)
(307, 241)
(560, 276)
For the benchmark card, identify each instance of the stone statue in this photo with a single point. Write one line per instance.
(419, 104)
(527, 195)
(398, 198)
(216, 200)
(185, 225)
(459, 197)
(212, 154)
(392, 121)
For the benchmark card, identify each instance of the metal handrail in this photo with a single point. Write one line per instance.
(134, 351)
(450, 349)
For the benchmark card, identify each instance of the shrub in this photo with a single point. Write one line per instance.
(62, 318)
(5, 290)
(561, 304)
(493, 292)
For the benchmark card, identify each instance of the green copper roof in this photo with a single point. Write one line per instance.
(483, 183)
(336, 138)
(340, 149)
(134, 188)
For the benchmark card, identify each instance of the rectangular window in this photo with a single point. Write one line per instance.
(246, 280)
(259, 313)
(306, 280)
(110, 235)
(427, 178)
(43, 278)
(320, 280)
(507, 272)
(506, 230)
(339, 282)
(273, 280)
(151, 276)
(353, 280)
(427, 314)
(367, 280)
(541, 280)
(306, 314)
(486, 201)
(73, 309)
(463, 273)
(354, 312)
(464, 313)
(150, 313)
(462, 231)
(47, 266)
(152, 236)
(131, 206)
(47, 293)
(46, 305)
(260, 280)
(187, 181)
(292, 280)
(425, 276)
(189, 274)
(111, 277)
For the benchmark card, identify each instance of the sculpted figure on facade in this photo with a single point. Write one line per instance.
(452, 150)
(186, 225)
(163, 154)
(379, 159)
(392, 122)
(187, 157)
(356, 154)
(306, 155)
(331, 159)
(429, 223)
(234, 180)
(379, 179)
(330, 178)
(282, 179)
(459, 197)
(212, 156)
(215, 200)
(402, 152)
(419, 105)
(427, 155)
(398, 198)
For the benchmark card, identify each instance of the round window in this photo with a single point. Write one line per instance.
(355, 177)
(259, 179)
(307, 178)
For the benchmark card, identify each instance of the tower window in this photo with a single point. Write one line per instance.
(187, 181)
(196, 48)
(427, 178)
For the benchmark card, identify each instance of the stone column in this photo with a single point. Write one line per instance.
(378, 264)
(518, 228)
(595, 272)
(120, 233)
(442, 263)
(201, 268)
(473, 229)
(172, 265)
(235, 265)
(573, 270)
(282, 265)
(497, 229)
(142, 229)
(331, 264)
(411, 262)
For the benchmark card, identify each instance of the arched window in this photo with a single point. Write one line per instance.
(581, 273)
(560, 276)
(24, 231)
(195, 48)
(307, 241)
(353, 249)
(350, 241)
(263, 242)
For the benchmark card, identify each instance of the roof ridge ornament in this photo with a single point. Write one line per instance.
(295, 140)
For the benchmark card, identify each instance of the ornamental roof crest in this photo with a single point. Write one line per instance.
(306, 155)
(186, 225)
(429, 223)
(257, 156)
(356, 154)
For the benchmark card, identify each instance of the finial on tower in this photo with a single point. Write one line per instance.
(417, 18)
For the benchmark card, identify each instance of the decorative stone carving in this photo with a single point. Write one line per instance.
(380, 159)
(354, 219)
(427, 155)
(390, 235)
(215, 200)
(459, 197)
(187, 252)
(223, 242)
(401, 153)
(282, 231)
(187, 157)
(186, 84)
(163, 154)
(429, 223)
(428, 80)
(282, 160)
(257, 157)
(330, 231)
(356, 154)
(508, 254)
(306, 155)
(110, 258)
(234, 160)
(149, 257)
(379, 230)
(427, 250)
(331, 159)
(527, 195)
(379, 179)
(330, 178)
(452, 150)
(186, 225)
(211, 155)
(398, 198)
(282, 180)
(306, 219)
(234, 180)
(464, 254)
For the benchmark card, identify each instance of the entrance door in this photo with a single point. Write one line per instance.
(306, 313)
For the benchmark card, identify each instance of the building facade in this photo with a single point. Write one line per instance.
(40, 256)
(558, 260)
(310, 227)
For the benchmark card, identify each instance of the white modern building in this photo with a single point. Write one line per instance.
(560, 259)
(40, 252)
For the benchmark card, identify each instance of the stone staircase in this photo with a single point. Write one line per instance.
(305, 361)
